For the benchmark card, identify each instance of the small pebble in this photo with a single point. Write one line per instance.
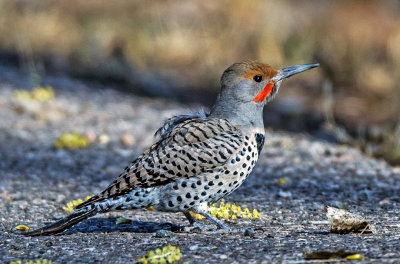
(249, 232)
(103, 139)
(223, 256)
(385, 201)
(194, 247)
(90, 136)
(127, 140)
(284, 194)
(164, 233)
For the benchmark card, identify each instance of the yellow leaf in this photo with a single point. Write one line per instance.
(36, 261)
(143, 260)
(197, 216)
(39, 93)
(42, 93)
(72, 204)
(22, 228)
(229, 212)
(151, 208)
(21, 95)
(256, 214)
(71, 141)
(168, 254)
(281, 181)
(354, 257)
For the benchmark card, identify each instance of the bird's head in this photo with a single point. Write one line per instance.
(247, 86)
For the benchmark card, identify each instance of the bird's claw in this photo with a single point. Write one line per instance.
(227, 230)
(211, 229)
(198, 227)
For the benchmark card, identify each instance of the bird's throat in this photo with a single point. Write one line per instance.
(260, 97)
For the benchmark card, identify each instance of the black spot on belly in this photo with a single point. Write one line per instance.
(260, 142)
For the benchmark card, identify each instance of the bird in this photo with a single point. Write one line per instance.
(197, 159)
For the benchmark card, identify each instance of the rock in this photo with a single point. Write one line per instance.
(223, 256)
(342, 221)
(127, 140)
(164, 233)
(91, 136)
(249, 232)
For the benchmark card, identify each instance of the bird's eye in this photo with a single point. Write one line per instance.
(258, 78)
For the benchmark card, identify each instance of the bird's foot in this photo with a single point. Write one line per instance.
(222, 228)
(212, 229)
(197, 227)
(228, 230)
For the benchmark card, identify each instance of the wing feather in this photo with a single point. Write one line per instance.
(192, 147)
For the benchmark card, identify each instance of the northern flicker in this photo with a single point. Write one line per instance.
(198, 158)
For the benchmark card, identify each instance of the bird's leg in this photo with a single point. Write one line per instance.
(189, 217)
(223, 228)
(221, 225)
(193, 223)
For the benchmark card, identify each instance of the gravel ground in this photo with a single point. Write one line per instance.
(295, 179)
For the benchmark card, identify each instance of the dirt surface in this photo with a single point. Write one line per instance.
(295, 179)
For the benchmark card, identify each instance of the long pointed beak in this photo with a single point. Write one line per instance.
(292, 70)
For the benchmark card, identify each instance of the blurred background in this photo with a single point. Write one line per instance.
(178, 50)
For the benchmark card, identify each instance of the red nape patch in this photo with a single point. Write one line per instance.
(264, 93)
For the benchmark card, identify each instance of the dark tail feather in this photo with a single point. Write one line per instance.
(62, 224)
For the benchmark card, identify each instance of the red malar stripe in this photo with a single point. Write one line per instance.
(264, 93)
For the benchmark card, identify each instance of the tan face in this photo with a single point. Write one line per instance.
(260, 73)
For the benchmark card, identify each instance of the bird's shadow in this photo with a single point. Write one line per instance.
(101, 225)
